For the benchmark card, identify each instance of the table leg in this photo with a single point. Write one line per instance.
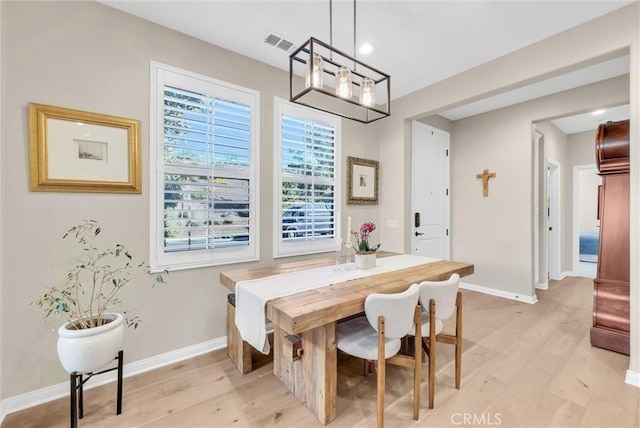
(313, 378)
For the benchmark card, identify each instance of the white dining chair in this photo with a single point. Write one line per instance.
(377, 337)
(440, 300)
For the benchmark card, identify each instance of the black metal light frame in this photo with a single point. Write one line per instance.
(325, 99)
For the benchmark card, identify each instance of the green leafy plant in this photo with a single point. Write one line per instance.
(92, 283)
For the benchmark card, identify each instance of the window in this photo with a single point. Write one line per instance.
(307, 186)
(203, 171)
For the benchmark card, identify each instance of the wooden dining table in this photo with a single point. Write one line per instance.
(304, 348)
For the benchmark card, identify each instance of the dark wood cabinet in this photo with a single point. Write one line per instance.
(611, 286)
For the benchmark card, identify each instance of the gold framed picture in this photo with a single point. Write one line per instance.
(362, 187)
(77, 151)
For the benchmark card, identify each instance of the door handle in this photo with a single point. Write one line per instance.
(419, 234)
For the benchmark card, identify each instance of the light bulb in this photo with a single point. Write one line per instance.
(343, 83)
(313, 73)
(368, 92)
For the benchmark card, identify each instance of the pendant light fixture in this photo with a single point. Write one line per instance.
(331, 77)
(344, 83)
(314, 75)
(367, 92)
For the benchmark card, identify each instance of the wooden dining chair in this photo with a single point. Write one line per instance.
(439, 301)
(377, 337)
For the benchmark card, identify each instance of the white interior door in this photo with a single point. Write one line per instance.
(430, 191)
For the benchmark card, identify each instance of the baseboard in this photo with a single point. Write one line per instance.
(499, 293)
(542, 286)
(563, 275)
(171, 357)
(567, 273)
(34, 398)
(632, 378)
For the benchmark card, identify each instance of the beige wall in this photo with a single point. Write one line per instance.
(589, 182)
(582, 148)
(87, 56)
(496, 237)
(582, 152)
(555, 141)
(580, 46)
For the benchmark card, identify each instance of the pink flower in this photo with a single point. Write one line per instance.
(367, 228)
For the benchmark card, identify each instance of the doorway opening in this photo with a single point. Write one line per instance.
(585, 220)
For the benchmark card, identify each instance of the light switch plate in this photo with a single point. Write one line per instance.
(392, 224)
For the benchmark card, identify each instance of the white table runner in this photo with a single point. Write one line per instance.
(252, 295)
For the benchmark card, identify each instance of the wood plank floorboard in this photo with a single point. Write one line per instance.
(523, 366)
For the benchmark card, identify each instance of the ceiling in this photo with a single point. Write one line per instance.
(595, 73)
(589, 121)
(417, 42)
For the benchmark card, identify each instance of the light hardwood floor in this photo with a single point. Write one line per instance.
(523, 365)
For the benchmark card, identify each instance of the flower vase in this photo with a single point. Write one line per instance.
(365, 261)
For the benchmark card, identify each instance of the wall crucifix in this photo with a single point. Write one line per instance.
(485, 176)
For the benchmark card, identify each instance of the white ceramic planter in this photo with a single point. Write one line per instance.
(365, 261)
(90, 349)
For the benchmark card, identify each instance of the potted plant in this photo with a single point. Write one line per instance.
(93, 334)
(365, 253)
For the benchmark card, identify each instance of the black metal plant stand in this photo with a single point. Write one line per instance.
(78, 380)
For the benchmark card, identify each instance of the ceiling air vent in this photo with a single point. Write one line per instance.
(278, 42)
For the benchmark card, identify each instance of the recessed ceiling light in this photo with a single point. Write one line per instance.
(597, 112)
(366, 48)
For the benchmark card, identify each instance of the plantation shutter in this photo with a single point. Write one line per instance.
(207, 172)
(308, 179)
